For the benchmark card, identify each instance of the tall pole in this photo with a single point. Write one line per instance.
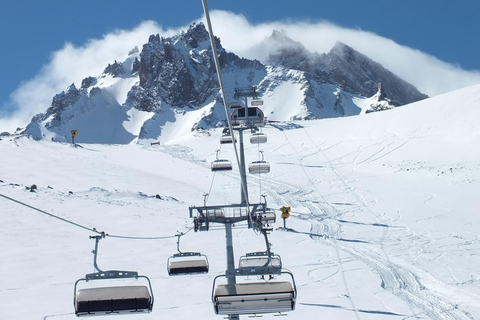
(230, 264)
(243, 171)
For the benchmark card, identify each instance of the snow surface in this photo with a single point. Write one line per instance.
(385, 215)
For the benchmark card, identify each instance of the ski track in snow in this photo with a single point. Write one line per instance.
(326, 229)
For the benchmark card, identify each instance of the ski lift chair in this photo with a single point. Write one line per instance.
(258, 137)
(187, 263)
(221, 164)
(257, 167)
(226, 138)
(260, 166)
(256, 297)
(183, 263)
(116, 299)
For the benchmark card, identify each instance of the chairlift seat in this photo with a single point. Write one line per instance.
(107, 300)
(257, 167)
(254, 298)
(221, 165)
(258, 137)
(187, 264)
(226, 139)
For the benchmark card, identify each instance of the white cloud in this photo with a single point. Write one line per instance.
(71, 64)
(427, 73)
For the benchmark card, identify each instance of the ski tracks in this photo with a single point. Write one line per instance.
(395, 279)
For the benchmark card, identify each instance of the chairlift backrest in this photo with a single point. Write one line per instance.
(260, 260)
(187, 263)
(254, 297)
(226, 138)
(106, 300)
(257, 102)
(257, 167)
(258, 137)
(221, 165)
(113, 299)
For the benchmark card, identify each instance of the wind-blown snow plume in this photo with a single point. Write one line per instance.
(429, 74)
(71, 64)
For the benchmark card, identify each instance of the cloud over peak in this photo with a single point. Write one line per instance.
(71, 64)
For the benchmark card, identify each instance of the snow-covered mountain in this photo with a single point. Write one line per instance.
(384, 215)
(170, 88)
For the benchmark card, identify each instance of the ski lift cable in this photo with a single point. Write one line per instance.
(87, 228)
(222, 88)
(51, 215)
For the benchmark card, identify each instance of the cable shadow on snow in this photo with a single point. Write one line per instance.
(387, 313)
(314, 235)
(282, 126)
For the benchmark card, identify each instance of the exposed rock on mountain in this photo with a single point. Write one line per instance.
(170, 87)
(342, 66)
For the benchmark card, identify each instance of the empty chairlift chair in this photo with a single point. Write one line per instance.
(227, 136)
(221, 164)
(257, 167)
(183, 263)
(113, 299)
(187, 263)
(258, 137)
(254, 297)
(260, 166)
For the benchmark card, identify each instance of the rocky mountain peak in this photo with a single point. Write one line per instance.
(284, 51)
(195, 34)
(115, 69)
(172, 76)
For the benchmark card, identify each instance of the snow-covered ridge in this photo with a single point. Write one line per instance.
(170, 87)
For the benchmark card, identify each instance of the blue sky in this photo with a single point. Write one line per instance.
(32, 31)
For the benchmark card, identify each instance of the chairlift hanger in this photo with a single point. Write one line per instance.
(112, 299)
(186, 262)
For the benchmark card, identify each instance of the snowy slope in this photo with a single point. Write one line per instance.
(384, 205)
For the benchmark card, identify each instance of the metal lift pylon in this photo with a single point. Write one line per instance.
(253, 214)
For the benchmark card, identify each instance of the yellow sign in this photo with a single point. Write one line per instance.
(285, 212)
(74, 133)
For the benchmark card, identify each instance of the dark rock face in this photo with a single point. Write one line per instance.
(115, 69)
(181, 71)
(60, 102)
(88, 82)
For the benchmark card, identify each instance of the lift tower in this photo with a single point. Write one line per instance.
(256, 215)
